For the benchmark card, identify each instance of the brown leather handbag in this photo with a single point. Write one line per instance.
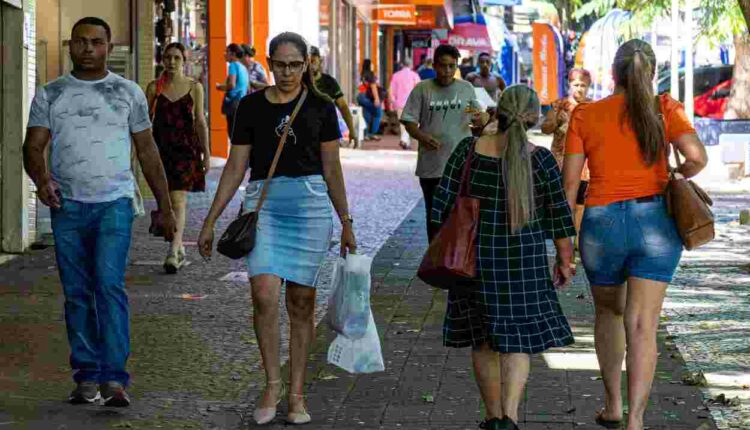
(451, 258)
(689, 205)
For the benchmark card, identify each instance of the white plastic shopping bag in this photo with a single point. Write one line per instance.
(358, 356)
(349, 303)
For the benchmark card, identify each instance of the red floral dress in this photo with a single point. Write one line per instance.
(180, 149)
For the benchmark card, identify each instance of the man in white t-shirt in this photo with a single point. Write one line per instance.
(90, 117)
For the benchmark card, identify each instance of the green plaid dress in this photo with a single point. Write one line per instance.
(513, 305)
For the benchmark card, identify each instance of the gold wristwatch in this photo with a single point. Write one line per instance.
(347, 218)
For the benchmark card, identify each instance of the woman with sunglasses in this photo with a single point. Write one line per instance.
(295, 223)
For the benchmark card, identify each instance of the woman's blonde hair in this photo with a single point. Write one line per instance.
(517, 111)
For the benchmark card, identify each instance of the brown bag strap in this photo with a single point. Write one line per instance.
(671, 146)
(276, 158)
(465, 186)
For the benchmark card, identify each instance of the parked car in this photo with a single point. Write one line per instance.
(713, 103)
(705, 78)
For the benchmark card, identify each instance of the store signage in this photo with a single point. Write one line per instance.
(470, 36)
(396, 14)
(325, 13)
(426, 18)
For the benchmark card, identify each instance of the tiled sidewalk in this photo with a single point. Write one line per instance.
(427, 386)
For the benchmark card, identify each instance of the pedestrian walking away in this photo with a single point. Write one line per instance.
(236, 85)
(371, 99)
(328, 85)
(295, 223)
(181, 134)
(427, 70)
(629, 244)
(402, 84)
(492, 83)
(556, 124)
(511, 309)
(438, 114)
(87, 119)
(256, 75)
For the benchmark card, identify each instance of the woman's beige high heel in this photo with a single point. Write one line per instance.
(266, 415)
(298, 417)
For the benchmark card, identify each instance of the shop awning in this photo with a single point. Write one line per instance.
(470, 37)
(507, 3)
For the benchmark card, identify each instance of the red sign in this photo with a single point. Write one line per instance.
(396, 14)
(470, 36)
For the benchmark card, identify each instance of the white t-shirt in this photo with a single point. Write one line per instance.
(91, 123)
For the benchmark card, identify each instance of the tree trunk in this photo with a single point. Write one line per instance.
(739, 99)
(745, 7)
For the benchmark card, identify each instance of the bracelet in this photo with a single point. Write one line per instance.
(347, 218)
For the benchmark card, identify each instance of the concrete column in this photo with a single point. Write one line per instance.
(14, 188)
(144, 39)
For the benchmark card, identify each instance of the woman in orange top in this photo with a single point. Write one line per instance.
(629, 244)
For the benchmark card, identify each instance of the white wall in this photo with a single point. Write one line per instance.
(299, 16)
(115, 12)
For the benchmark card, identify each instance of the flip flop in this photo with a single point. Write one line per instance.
(610, 424)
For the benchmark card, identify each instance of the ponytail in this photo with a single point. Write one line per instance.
(634, 69)
(517, 111)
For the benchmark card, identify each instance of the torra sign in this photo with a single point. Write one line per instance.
(396, 14)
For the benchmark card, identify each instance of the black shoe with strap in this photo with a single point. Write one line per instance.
(504, 423)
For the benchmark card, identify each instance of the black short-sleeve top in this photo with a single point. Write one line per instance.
(260, 123)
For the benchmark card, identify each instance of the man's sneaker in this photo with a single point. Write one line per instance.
(113, 394)
(86, 392)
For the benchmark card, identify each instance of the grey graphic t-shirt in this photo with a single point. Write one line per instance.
(441, 112)
(91, 123)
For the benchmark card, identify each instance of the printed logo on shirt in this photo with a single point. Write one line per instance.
(291, 138)
(446, 105)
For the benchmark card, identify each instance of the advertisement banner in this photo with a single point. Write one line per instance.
(471, 37)
(546, 63)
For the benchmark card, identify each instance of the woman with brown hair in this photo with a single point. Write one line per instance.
(511, 310)
(629, 244)
(295, 223)
(181, 133)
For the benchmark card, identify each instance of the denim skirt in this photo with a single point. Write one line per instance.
(294, 228)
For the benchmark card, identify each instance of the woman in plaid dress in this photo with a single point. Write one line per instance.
(512, 309)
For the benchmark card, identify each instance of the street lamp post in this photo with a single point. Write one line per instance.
(689, 107)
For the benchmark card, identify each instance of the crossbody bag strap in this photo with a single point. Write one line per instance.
(276, 158)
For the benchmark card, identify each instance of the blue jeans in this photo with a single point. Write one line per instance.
(373, 114)
(92, 241)
(632, 238)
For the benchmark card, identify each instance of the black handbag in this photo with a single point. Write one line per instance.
(238, 239)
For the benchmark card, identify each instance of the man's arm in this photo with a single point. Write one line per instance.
(347, 114)
(413, 129)
(35, 163)
(153, 170)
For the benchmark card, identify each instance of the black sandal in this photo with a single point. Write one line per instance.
(610, 424)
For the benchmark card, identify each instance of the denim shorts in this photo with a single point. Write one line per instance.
(632, 238)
